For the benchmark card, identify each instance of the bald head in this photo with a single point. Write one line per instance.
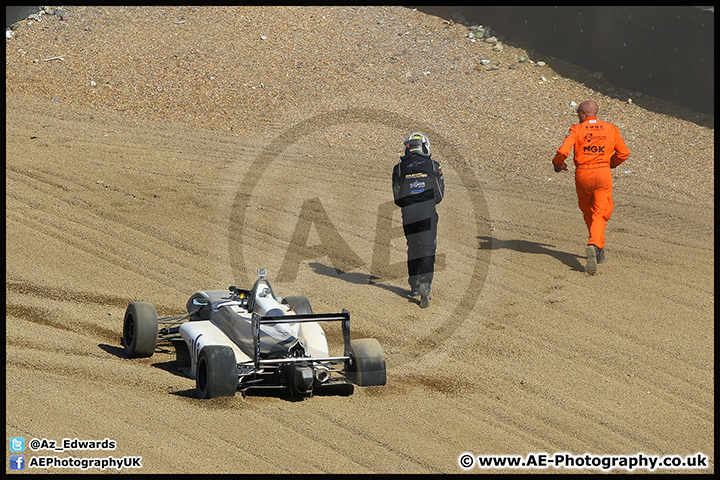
(589, 107)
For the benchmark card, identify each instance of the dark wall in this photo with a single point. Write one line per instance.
(664, 52)
(15, 14)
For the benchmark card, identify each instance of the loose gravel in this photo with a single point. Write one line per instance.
(257, 71)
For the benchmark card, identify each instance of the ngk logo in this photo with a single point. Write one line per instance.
(594, 149)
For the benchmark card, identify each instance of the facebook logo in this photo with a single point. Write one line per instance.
(17, 444)
(17, 462)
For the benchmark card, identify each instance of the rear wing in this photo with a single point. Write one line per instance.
(257, 320)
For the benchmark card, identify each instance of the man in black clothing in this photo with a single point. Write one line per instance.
(418, 186)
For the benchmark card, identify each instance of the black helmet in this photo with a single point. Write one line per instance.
(418, 143)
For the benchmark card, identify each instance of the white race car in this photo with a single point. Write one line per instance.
(241, 339)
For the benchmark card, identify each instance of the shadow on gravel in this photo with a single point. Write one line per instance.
(361, 279)
(525, 246)
(113, 350)
(119, 351)
(286, 393)
(283, 393)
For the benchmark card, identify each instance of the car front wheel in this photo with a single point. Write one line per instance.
(140, 330)
(217, 374)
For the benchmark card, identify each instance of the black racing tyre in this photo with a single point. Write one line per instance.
(217, 374)
(367, 363)
(300, 304)
(140, 330)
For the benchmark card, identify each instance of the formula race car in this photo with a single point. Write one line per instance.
(241, 339)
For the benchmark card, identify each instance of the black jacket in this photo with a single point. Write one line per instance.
(418, 186)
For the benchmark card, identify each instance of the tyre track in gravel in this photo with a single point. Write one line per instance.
(682, 382)
(536, 423)
(34, 299)
(682, 297)
(577, 410)
(614, 345)
(46, 317)
(98, 234)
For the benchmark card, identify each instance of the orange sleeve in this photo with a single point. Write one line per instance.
(621, 151)
(567, 145)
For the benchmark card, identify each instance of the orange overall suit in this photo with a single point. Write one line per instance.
(598, 148)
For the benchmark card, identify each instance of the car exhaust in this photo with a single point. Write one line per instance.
(322, 374)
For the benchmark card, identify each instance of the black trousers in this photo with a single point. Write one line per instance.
(421, 242)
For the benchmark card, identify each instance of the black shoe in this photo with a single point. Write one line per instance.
(591, 266)
(424, 295)
(414, 292)
(601, 255)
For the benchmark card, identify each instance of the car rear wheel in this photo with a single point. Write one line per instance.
(217, 374)
(367, 363)
(140, 330)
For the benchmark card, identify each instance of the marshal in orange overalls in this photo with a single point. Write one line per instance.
(598, 148)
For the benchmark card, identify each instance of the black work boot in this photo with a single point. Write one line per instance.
(424, 295)
(601, 255)
(591, 267)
